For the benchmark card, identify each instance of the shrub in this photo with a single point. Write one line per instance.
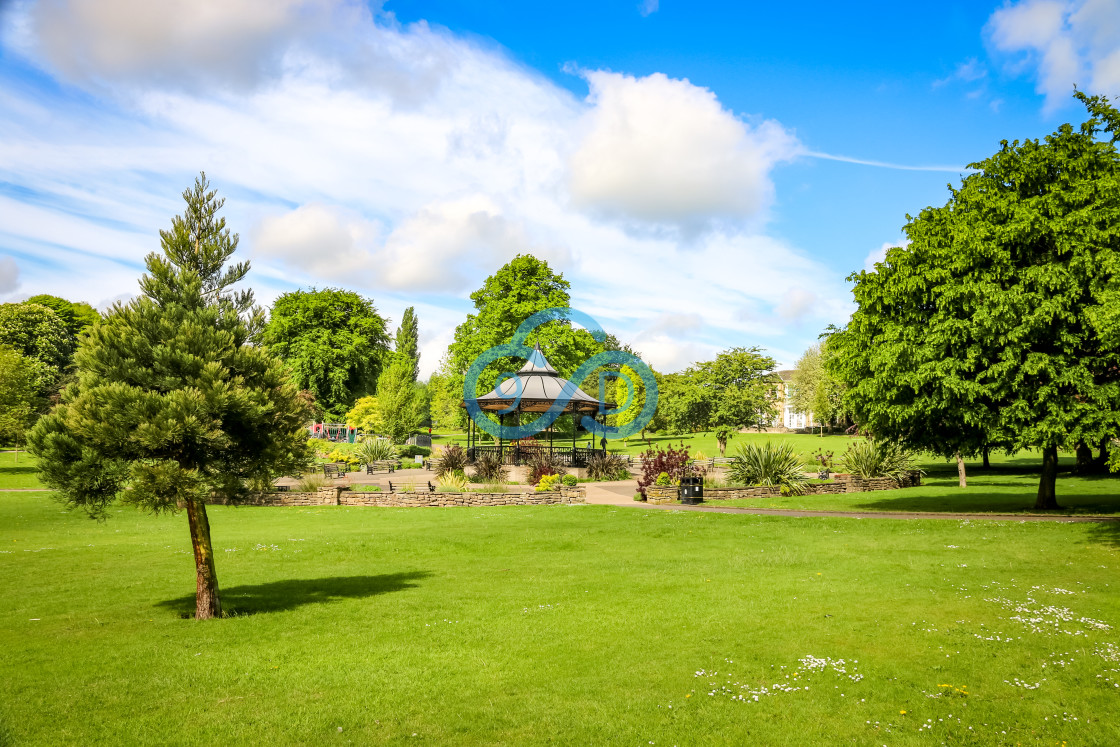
(663, 480)
(452, 482)
(451, 458)
(607, 467)
(548, 482)
(375, 450)
(312, 483)
(769, 465)
(570, 481)
(410, 450)
(543, 463)
(673, 462)
(488, 467)
(871, 458)
(344, 456)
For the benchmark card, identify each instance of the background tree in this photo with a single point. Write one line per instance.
(522, 287)
(365, 415)
(78, 316)
(408, 340)
(738, 388)
(997, 321)
(400, 405)
(172, 402)
(21, 395)
(445, 398)
(333, 341)
(815, 389)
(37, 332)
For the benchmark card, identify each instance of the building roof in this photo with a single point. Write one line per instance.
(540, 385)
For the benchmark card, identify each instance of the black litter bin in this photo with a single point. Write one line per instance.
(692, 490)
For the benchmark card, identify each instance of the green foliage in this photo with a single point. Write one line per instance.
(365, 415)
(411, 450)
(348, 457)
(452, 482)
(76, 315)
(333, 341)
(20, 394)
(372, 450)
(408, 340)
(452, 458)
(311, 483)
(522, 287)
(548, 482)
(997, 325)
(814, 389)
(569, 481)
(445, 398)
(38, 333)
(488, 467)
(770, 464)
(542, 463)
(874, 457)
(607, 467)
(663, 480)
(731, 392)
(172, 402)
(400, 407)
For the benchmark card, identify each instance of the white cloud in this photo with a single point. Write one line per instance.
(9, 276)
(414, 179)
(1067, 41)
(663, 151)
(646, 7)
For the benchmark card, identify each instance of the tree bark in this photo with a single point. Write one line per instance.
(1102, 455)
(722, 445)
(1047, 495)
(962, 478)
(1084, 457)
(987, 463)
(207, 603)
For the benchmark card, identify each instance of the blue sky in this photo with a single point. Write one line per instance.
(704, 174)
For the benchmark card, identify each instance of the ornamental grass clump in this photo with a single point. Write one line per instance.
(452, 458)
(769, 465)
(375, 450)
(875, 458)
(543, 463)
(607, 467)
(452, 482)
(488, 467)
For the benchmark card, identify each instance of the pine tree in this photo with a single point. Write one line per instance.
(172, 404)
(408, 340)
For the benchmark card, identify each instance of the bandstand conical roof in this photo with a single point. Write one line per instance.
(540, 385)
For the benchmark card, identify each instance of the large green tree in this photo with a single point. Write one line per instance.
(78, 316)
(37, 332)
(998, 322)
(172, 403)
(407, 340)
(335, 343)
(21, 395)
(522, 287)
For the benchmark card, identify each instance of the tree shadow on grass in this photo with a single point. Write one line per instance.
(280, 596)
(1106, 532)
(978, 500)
(19, 470)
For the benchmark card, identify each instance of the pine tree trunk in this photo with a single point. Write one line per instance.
(962, 478)
(1047, 495)
(207, 603)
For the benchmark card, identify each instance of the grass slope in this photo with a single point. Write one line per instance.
(557, 624)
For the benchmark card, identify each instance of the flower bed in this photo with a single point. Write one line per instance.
(333, 496)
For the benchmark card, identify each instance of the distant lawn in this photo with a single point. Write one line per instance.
(18, 470)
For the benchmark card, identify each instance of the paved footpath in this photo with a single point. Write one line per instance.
(622, 494)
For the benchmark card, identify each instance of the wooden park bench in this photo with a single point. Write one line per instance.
(384, 465)
(334, 470)
(419, 489)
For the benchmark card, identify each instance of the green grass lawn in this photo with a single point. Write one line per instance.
(556, 624)
(17, 471)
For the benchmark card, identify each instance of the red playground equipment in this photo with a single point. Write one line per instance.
(336, 432)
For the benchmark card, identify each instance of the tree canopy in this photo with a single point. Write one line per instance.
(522, 287)
(814, 388)
(76, 315)
(21, 394)
(998, 322)
(407, 340)
(37, 332)
(334, 342)
(172, 403)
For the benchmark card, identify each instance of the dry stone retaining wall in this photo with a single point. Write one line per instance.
(338, 497)
(843, 484)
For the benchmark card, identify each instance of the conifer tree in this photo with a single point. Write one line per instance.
(172, 404)
(408, 340)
